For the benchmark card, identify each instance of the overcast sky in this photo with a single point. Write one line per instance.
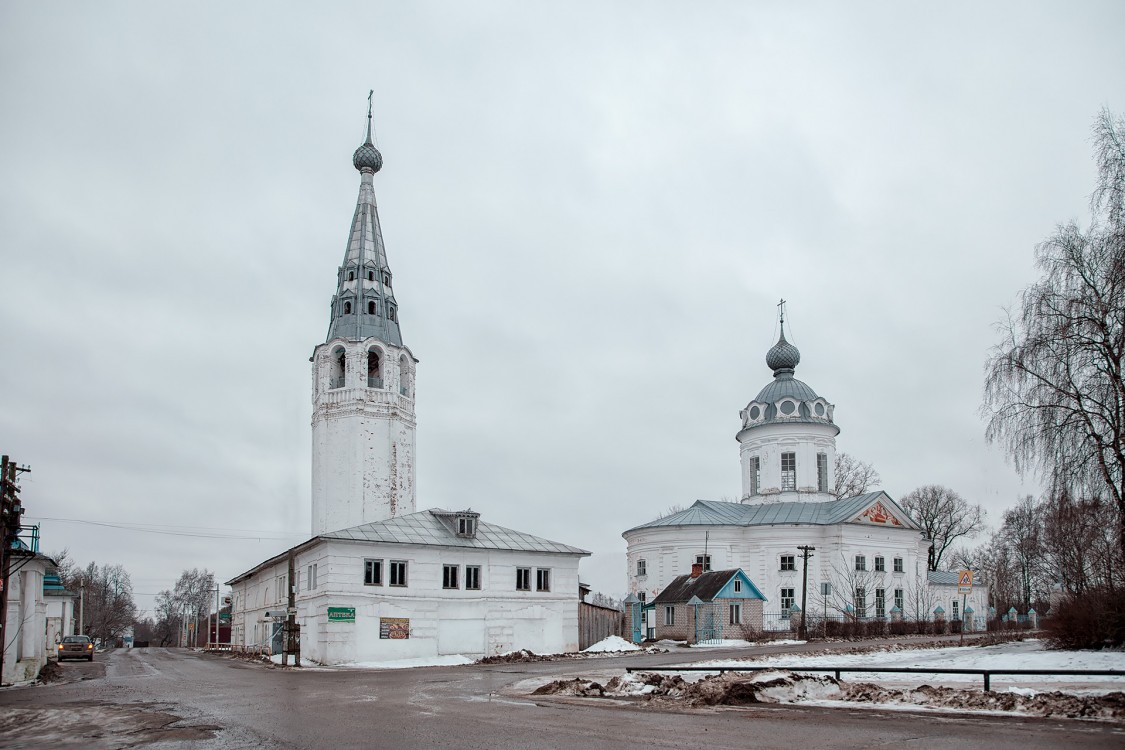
(591, 211)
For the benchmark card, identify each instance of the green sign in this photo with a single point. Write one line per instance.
(341, 614)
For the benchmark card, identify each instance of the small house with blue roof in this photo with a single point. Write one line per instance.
(709, 606)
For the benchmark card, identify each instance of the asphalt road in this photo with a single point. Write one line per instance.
(183, 699)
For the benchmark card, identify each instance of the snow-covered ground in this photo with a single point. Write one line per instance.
(738, 643)
(612, 643)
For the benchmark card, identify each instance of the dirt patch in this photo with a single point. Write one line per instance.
(577, 686)
(51, 672)
(95, 726)
(1110, 706)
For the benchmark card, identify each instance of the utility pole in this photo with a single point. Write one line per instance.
(81, 606)
(291, 640)
(11, 511)
(806, 553)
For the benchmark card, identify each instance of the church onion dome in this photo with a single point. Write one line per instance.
(367, 157)
(783, 356)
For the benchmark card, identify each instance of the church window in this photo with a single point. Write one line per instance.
(347, 308)
(390, 312)
(880, 603)
(898, 565)
(788, 407)
(880, 564)
(370, 275)
(736, 614)
(822, 472)
(371, 308)
(755, 412)
(704, 560)
(860, 602)
(860, 562)
(669, 614)
(398, 572)
(374, 371)
(642, 567)
(472, 577)
(351, 275)
(788, 562)
(819, 410)
(386, 279)
(956, 610)
(755, 475)
(788, 471)
(523, 579)
(899, 599)
(449, 576)
(372, 572)
(787, 599)
(339, 367)
(542, 579)
(405, 380)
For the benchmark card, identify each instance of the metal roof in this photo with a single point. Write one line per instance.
(722, 513)
(428, 527)
(707, 586)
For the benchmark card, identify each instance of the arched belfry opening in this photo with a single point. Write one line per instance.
(374, 369)
(339, 367)
(405, 376)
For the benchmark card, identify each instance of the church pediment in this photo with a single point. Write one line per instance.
(882, 512)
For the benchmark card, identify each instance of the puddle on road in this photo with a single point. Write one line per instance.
(95, 726)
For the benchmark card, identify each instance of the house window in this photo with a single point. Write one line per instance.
(755, 475)
(860, 602)
(398, 572)
(466, 526)
(860, 562)
(899, 599)
(956, 610)
(788, 471)
(880, 603)
(704, 560)
(669, 615)
(822, 472)
(736, 614)
(642, 568)
(310, 579)
(787, 599)
(898, 564)
(472, 577)
(788, 562)
(737, 586)
(880, 565)
(449, 576)
(372, 572)
(542, 579)
(523, 579)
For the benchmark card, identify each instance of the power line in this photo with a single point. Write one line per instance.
(200, 532)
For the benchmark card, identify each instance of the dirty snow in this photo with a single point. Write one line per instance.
(613, 643)
(737, 643)
(427, 661)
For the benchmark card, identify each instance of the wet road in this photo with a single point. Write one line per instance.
(183, 699)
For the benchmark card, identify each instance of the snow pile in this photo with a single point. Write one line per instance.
(735, 643)
(426, 661)
(613, 643)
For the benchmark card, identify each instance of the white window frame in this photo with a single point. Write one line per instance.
(735, 613)
(450, 576)
(669, 614)
(789, 476)
(791, 597)
(642, 568)
(787, 563)
(861, 563)
(472, 578)
(543, 579)
(372, 571)
(397, 573)
(523, 579)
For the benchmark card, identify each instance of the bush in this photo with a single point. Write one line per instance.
(1095, 619)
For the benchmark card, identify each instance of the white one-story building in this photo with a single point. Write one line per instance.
(379, 581)
(869, 558)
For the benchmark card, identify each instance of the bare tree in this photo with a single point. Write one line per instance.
(853, 477)
(945, 516)
(672, 510)
(107, 601)
(1054, 390)
(193, 595)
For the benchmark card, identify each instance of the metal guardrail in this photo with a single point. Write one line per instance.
(986, 673)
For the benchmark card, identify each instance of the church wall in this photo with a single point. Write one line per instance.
(769, 441)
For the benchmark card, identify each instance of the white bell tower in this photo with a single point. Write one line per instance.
(363, 382)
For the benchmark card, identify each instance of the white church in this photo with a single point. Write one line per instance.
(870, 556)
(378, 580)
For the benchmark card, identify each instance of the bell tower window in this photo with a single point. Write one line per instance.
(390, 312)
(370, 308)
(370, 275)
(351, 275)
(822, 472)
(347, 308)
(339, 367)
(404, 376)
(374, 372)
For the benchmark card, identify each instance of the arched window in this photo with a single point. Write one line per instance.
(351, 275)
(386, 279)
(370, 308)
(339, 367)
(347, 308)
(390, 312)
(405, 377)
(374, 370)
(370, 275)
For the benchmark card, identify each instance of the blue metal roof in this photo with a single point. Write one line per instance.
(722, 513)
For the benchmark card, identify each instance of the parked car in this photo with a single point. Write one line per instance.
(76, 647)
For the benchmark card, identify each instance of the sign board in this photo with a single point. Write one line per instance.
(395, 628)
(341, 614)
(965, 582)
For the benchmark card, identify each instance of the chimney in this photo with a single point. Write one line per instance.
(696, 570)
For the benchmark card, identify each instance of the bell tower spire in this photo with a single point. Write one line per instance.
(363, 380)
